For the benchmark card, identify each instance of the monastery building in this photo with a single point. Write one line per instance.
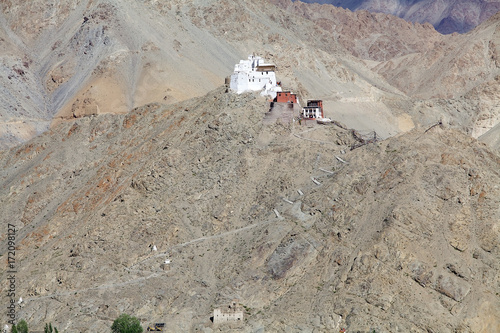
(255, 75)
(313, 110)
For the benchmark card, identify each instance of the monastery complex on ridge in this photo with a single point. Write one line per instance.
(254, 74)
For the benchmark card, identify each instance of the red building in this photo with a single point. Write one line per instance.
(286, 97)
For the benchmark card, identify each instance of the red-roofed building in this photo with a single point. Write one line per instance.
(286, 97)
(313, 110)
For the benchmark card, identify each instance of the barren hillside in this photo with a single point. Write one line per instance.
(71, 59)
(400, 235)
(309, 229)
(370, 36)
(446, 16)
(85, 57)
(452, 78)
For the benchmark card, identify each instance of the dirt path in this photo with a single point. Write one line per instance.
(112, 285)
(201, 239)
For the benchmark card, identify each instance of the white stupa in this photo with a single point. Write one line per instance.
(254, 75)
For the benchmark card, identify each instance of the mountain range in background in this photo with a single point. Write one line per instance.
(77, 59)
(141, 147)
(446, 16)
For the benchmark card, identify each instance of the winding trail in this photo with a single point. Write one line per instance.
(101, 287)
(201, 239)
(111, 285)
(116, 284)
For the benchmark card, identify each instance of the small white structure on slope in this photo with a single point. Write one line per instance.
(233, 313)
(254, 75)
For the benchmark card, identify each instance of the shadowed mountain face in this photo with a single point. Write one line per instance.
(446, 16)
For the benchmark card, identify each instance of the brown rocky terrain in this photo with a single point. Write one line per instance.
(76, 58)
(412, 57)
(84, 58)
(400, 235)
(449, 77)
(370, 36)
(446, 16)
(81, 58)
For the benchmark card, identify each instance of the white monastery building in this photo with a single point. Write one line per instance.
(254, 75)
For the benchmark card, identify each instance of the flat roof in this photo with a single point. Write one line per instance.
(265, 67)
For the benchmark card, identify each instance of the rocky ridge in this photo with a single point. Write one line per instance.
(395, 233)
(446, 16)
(398, 235)
(83, 58)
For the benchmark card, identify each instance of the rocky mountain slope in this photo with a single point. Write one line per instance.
(87, 57)
(90, 57)
(449, 77)
(446, 16)
(369, 36)
(311, 236)
(412, 57)
(400, 235)
(75, 58)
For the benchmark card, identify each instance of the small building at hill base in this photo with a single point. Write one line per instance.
(313, 110)
(233, 313)
(254, 74)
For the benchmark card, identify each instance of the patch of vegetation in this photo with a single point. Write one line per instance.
(21, 327)
(49, 329)
(126, 324)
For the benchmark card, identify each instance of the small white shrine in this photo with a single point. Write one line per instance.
(233, 313)
(255, 75)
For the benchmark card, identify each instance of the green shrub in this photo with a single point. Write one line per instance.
(21, 327)
(126, 324)
(48, 329)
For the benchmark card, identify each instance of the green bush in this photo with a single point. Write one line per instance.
(48, 329)
(126, 324)
(21, 327)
